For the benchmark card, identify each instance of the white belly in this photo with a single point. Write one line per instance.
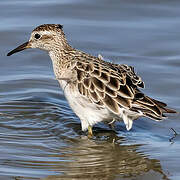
(88, 112)
(91, 113)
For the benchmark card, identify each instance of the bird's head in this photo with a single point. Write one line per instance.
(46, 37)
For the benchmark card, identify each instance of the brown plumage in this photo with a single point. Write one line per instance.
(117, 86)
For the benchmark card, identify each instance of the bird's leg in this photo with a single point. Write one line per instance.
(90, 132)
(111, 124)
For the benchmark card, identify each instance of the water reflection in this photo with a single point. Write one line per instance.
(39, 139)
(99, 159)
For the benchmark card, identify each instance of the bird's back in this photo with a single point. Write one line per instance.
(114, 86)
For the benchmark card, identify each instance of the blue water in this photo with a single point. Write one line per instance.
(40, 136)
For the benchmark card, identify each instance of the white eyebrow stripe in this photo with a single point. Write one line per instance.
(45, 32)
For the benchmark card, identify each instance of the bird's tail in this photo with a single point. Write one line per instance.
(151, 108)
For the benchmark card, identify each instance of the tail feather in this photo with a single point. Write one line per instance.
(167, 110)
(162, 104)
(151, 108)
(163, 107)
(154, 117)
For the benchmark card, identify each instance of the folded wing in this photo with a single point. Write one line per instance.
(114, 86)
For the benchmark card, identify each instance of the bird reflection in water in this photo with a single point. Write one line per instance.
(102, 159)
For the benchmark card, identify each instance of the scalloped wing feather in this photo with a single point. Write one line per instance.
(104, 85)
(115, 86)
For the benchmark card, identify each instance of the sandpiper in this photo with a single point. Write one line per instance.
(95, 89)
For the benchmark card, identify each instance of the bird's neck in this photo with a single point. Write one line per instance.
(61, 60)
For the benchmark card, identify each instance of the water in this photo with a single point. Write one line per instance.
(41, 138)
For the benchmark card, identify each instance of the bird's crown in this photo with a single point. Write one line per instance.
(49, 27)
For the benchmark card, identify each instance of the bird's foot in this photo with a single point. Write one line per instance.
(90, 132)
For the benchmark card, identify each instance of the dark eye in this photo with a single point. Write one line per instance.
(37, 36)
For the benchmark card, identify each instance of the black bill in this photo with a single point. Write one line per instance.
(19, 48)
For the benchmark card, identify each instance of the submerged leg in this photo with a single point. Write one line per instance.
(90, 132)
(111, 124)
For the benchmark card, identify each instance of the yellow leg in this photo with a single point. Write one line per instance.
(90, 132)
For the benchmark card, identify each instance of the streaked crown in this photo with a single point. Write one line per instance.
(49, 27)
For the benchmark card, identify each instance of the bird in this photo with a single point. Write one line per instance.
(96, 90)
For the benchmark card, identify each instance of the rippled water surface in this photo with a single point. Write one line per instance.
(40, 136)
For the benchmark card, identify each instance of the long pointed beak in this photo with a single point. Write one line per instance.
(26, 45)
